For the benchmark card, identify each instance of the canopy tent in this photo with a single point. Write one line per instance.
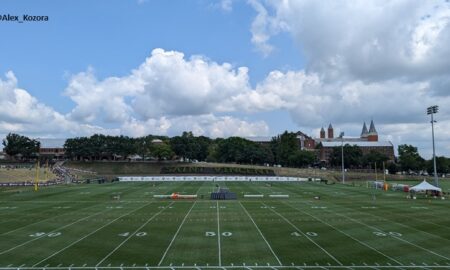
(424, 186)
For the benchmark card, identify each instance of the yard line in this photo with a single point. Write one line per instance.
(265, 240)
(362, 243)
(60, 228)
(396, 237)
(84, 237)
(218, 233)
(175, 236)
(5, 233)
(406, 226)
(131, 235)
(312, 241)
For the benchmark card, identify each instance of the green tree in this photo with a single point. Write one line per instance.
(409, 158)
(352, 156)
(392, 168)
(15, 144)
(240, 150)
(284, 146)
(190, 147)
(442, 165)
(374, 157)
(161, 151)
(301, 158)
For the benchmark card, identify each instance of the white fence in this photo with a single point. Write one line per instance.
(211, 178)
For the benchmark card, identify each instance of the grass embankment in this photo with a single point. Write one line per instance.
(113, 169)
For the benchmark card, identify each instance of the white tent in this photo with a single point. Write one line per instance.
(424, 186)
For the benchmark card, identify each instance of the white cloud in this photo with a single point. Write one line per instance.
(368, 40)
(208, 124)
(226, 5)
(385, 60)
(167, 94)
(22, 113)
(166, 84)
(176, 86)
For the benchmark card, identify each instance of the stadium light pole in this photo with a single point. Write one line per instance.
(342, 156)
(431, 111)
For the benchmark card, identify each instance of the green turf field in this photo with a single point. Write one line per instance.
(83, 227)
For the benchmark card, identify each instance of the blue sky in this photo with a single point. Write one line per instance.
(114, 37)
(223, 68)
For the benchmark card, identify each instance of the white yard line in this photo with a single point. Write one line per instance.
(396, 237)
(55, 230)
(404, 225)
(84, 237)
(131, 235)
(56, 202)
(218, 234)
(362, 243)
(5, 233)
(260, 233)
(305, 235)
(176, 234)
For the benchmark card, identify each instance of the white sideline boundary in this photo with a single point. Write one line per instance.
(228, 267)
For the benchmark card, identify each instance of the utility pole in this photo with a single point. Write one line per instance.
(342, 156)
(431, 111)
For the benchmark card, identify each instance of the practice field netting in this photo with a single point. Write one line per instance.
(288, 225)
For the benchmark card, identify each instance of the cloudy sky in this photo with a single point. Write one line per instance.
(230, 67)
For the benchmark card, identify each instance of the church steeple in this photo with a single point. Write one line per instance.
(322, 133)
(373, 134)
(372, 128)
(330, 132)
(364, 132)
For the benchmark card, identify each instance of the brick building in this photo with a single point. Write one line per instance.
(367, 142)
(326, 142)
(52, 148)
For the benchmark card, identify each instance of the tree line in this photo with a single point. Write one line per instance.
(283, 149)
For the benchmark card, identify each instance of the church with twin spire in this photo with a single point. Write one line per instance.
(367, 141)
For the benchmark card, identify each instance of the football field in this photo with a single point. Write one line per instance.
(87, 227)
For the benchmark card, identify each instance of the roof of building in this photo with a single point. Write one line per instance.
(51, 143)
(357, 143)
(330, 126)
